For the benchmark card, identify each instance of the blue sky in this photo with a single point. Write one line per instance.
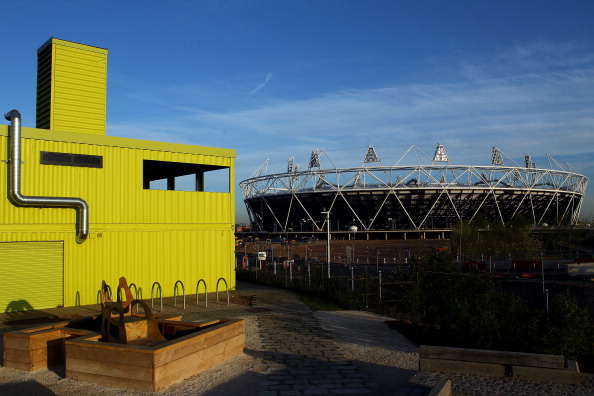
(278, 79)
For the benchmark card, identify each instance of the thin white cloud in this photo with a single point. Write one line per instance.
(536, 114)
(527, 100)
(259, 87)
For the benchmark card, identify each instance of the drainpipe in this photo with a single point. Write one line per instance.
(82, 209)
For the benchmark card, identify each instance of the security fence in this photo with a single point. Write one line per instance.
(400, 290)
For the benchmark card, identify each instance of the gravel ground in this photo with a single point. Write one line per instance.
(385, 357)
(232, 377)
(380, 352)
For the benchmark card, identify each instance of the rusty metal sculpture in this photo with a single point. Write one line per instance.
(121, 323)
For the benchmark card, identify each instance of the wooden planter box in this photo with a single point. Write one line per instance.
(528, 366)
(154, 368)
(38, 348)
(191, 349)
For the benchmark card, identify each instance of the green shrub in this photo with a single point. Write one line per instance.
(569, 328)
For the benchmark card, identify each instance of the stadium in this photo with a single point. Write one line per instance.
(420, 199)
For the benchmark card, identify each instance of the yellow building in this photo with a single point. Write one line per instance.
(79, 207)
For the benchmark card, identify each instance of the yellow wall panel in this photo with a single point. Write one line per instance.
(146, 235)
(146, 257)
(71, 85)
(32, 275)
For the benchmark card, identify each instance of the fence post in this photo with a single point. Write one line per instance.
(380, 284)
(366, 291)
(352, 279)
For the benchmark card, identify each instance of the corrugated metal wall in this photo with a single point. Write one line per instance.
(114, 192)
(145, 235)
(148, 256)
(32, 275)
(71, 84)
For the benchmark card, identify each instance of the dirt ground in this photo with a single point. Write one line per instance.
(384, 251)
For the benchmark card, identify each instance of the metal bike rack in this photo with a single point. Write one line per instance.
(100, 294)
(175, 293)
(226, 286)
(160, 293)
(205, 292)
(137, 291)
(119, 294)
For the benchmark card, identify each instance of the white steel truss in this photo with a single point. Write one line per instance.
(412, 196)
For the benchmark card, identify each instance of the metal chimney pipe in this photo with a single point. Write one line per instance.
(82, 209)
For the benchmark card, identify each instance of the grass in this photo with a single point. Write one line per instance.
(316, 303)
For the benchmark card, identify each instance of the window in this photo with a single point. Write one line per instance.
(181, 176)
(65, 159)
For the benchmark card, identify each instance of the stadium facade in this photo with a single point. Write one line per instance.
(376, 198)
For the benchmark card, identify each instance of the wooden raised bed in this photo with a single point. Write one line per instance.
(38, 348)
(152, 368)
(529, 366)
(190, 349)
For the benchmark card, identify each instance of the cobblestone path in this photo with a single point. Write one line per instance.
(300, 358)
(296, 355)
(290, 353)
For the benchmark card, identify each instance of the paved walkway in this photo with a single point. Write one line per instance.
(297, 355)
(291, 351)
(302, 359)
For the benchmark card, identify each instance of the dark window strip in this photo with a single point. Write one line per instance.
(66, 159)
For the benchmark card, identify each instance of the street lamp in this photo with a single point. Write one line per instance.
(353, 229)
(327, 213)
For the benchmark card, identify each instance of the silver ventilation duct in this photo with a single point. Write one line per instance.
(82, 209)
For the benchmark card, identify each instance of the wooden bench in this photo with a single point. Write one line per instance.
(528, 366)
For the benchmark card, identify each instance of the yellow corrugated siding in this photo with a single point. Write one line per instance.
(145, 235)
(32, 275)
(148, 256)
(115, 192)
(142, 256)
(72, 87)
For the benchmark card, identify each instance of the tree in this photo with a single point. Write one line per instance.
(477, 239)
